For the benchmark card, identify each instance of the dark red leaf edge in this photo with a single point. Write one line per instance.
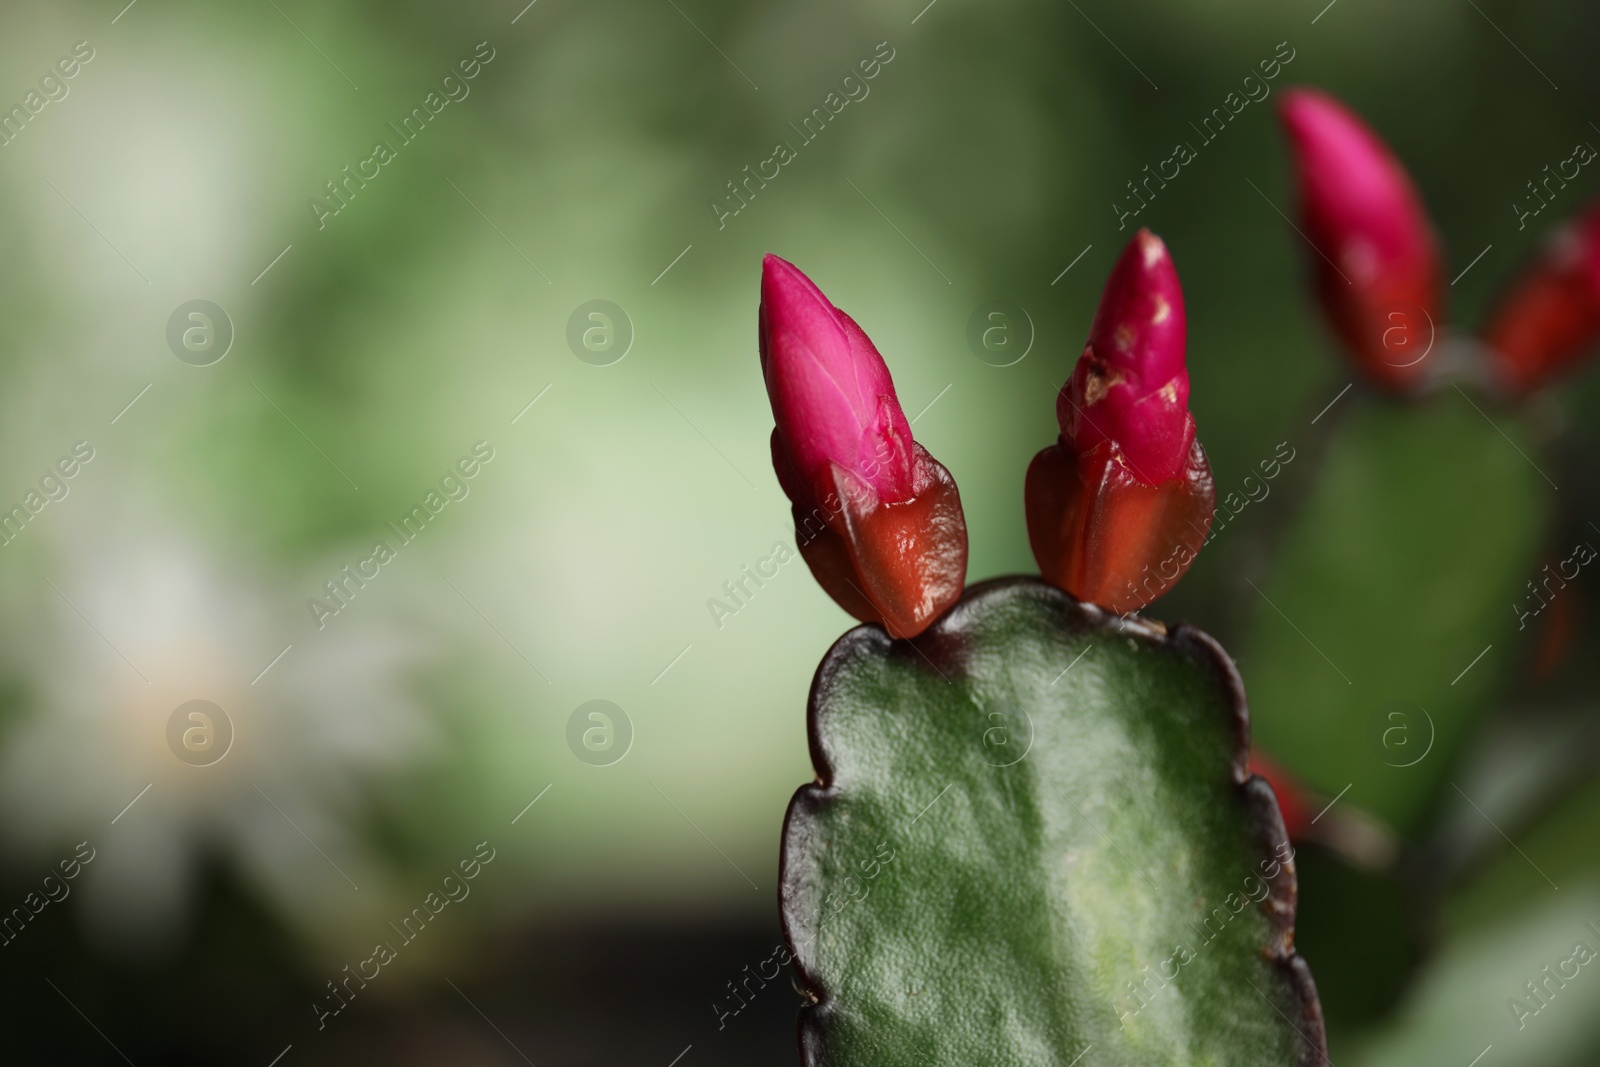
(943, 645)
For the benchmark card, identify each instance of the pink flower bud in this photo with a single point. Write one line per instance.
(1376, 259)
(1131, 384)
(831, 393)
(1120, 504)
(877, 519)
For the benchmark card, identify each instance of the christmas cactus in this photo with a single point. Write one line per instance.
(1034, 830)
(1039, 833)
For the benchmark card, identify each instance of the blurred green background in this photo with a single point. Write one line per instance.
(373, 348)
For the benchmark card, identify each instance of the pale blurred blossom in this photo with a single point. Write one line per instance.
(166, 619)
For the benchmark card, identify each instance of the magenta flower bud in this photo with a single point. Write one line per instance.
(832, 397)
(1378, 272)
(1131, 384)
(877, 519)
(1120, 504)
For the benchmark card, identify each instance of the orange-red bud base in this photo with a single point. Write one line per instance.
(899, 564)
(1106, 537)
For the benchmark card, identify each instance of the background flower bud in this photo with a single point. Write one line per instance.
(1376, 260)
(1551, 317)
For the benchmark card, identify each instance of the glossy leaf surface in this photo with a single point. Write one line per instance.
(1033, 833)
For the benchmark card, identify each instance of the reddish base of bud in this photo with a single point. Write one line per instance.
(900, 564)
(1389, 339)
(1108, 538)
(1546, 323)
